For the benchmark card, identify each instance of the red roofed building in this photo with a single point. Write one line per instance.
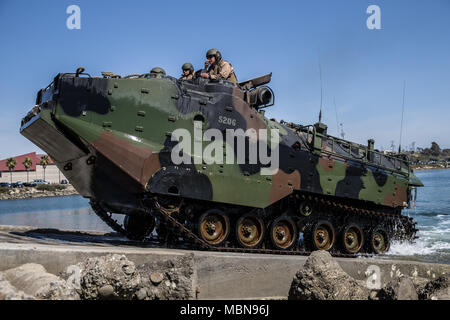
(35, 158)
(19, 173)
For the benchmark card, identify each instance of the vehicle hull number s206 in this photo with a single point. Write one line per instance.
(227, 120)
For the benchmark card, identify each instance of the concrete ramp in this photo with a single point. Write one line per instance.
(217, 275)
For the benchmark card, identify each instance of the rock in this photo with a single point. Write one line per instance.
(31, 192)
(322, 278)
(156, 278)
(129, 269)
(57, 291)
(443, 294)
(34, 280)
(168, 279)
(108, 277)
(438, 289)
(9, 292)
(373, 295)
(401, 288)
(107, 292)
(419, 283)
(141, 294)
(115, 277)
(111, 276)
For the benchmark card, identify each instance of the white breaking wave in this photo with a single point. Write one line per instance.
(437, 231)
(419, 247)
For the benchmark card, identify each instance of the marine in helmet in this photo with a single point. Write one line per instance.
(157, 72)
(188, 71)
(217, 67)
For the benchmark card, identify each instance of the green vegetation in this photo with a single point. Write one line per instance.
(50, 187)
(27, 163)
(4, 189)
(44, 162)
(11, 164)
(434, 153)
(433, 157)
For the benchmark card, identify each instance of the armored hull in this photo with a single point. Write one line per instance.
(199, 160)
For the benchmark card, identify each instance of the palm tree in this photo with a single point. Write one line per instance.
(11, 164)
(27, 163)
(44, 162)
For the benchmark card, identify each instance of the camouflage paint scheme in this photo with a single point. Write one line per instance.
(112, 139)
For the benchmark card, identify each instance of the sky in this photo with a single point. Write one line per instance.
(363, 70)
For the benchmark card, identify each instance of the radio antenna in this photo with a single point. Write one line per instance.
(321, 86)
(401, 123)
(342, 131)
(337, 121)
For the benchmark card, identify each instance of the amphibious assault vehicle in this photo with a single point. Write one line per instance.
(117, 140)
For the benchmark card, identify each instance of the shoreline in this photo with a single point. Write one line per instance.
(424, 168)
(32, 192)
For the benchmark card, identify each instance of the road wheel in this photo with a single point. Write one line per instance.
(352, 239)
(138, 226)
(283, 233)
(250, 231)
(214, 227)
(379, 241)
(323, 235)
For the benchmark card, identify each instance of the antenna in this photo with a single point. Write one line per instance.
(342, 132)
(321, 88)
(337, 121)
(401, 124)
(338, 125)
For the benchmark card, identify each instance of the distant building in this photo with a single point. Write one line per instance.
(52, 173)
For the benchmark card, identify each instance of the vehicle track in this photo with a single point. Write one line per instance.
(195, 242)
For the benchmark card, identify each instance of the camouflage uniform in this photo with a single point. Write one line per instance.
(188, 77)
(185, 67)
(222, 70)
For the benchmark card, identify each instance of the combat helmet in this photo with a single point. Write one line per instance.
(187, 66)
(214, 52)
(158, 71)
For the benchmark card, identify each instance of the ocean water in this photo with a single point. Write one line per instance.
(432, 214)
(70, 212)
